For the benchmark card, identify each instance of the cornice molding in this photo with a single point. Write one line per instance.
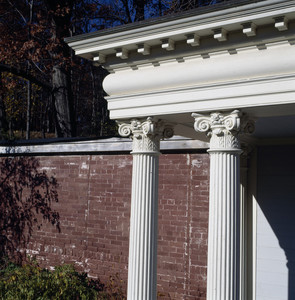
(217, 24)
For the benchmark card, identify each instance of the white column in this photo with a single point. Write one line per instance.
(142, 267)
(223, 268)
(247, 150)
(243, 234)
(244, 216)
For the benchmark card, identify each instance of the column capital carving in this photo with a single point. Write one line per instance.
(146, 134)
(223, 129)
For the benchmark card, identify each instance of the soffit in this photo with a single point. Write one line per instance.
(272, 124)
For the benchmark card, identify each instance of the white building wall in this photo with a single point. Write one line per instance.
(276, 224)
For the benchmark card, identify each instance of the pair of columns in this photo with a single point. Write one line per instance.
(223, 268)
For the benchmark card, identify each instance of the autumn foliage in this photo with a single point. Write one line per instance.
(44, 87)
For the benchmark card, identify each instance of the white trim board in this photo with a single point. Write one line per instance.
(103, 145)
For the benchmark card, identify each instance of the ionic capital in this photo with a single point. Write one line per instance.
(223, 129)
(146, 134)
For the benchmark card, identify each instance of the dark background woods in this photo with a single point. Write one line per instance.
(45, 90)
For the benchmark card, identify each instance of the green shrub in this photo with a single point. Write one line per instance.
(32, 282)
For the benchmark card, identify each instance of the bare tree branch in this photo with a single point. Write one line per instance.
(25, 75)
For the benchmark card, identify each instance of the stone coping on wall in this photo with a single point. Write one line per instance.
(107, 145)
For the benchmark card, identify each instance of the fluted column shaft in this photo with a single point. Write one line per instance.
(143, 228)
(142, 267)
(223, 267)
(224, 229)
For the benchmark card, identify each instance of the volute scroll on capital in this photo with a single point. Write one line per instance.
(146, 134)
(224, 129)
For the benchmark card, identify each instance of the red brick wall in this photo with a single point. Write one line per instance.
(94, 207)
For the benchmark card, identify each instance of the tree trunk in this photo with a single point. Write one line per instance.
(160, 7)
(61, 95)
(3, 121)
(28, 119)
(93, 113)
(61, 79)
(10, 129)
(139, 7)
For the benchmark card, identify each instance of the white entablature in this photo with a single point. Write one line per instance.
(238, 56)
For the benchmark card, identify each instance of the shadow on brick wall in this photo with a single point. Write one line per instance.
(26, 194)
